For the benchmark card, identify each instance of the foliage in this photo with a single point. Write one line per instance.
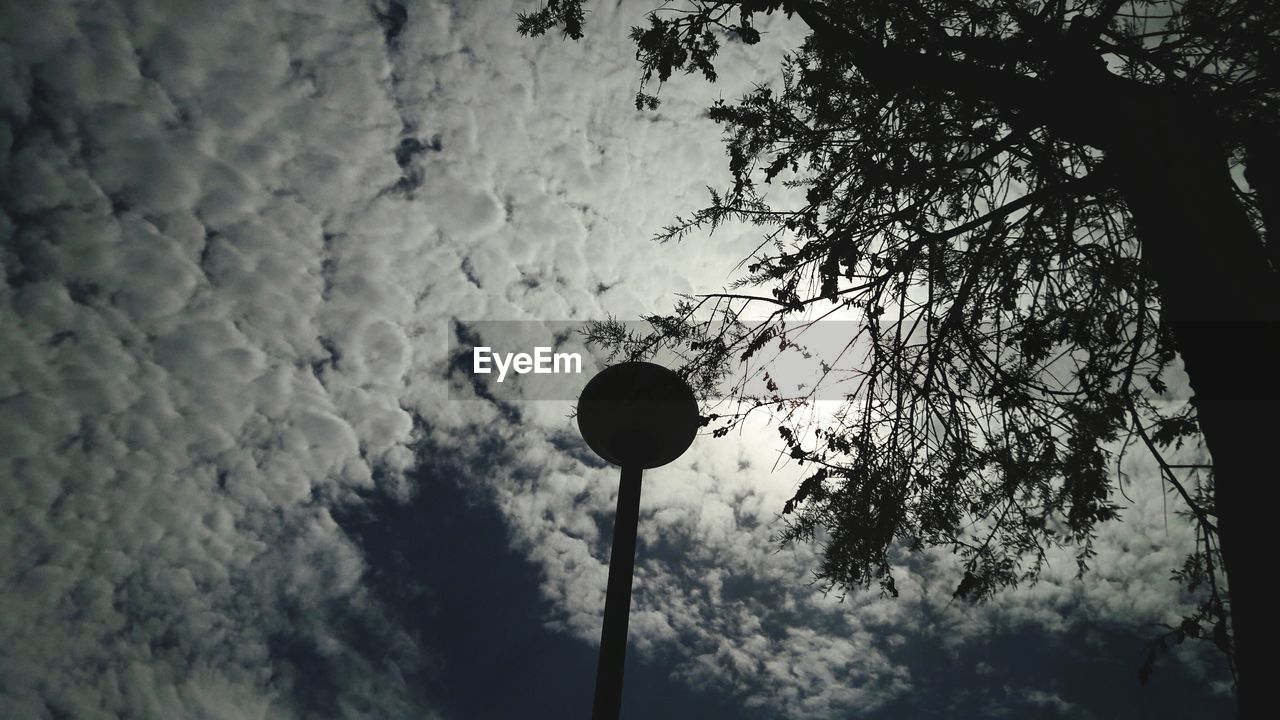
(1014, 346)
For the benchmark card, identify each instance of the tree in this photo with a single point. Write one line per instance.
(1038, 207)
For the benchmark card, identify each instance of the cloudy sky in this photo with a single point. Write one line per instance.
(234, 481)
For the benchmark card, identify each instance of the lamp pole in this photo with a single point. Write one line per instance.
(617, 600)
(635, 415)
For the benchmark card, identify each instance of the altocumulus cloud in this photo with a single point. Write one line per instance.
(233, 234)
(204, 339)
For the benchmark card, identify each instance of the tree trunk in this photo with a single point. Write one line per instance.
(1222, 299)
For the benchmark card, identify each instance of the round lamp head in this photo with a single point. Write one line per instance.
(638, 414)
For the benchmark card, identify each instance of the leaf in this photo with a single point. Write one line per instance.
(1170, 431)
(646, 102)
(747, 34)
(889, 586)
(968, 584)
(1157, 384)
(1221, 638)
(1154, 651)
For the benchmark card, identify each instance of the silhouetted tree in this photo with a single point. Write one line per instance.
(1036, 206)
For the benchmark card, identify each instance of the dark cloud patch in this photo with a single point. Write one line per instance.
(466, 383)
(392, 16)
(411, 147)
(1091, 673)
(469, 272)
(572, 445)
(444, 562)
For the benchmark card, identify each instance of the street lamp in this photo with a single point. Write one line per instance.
(635, 415)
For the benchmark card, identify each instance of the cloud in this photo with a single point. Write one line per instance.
(204, 343)
(707, 521)
(233, 235)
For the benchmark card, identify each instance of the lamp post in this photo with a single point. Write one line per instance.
(635, 415)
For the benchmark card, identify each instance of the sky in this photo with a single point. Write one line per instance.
(234, 480)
